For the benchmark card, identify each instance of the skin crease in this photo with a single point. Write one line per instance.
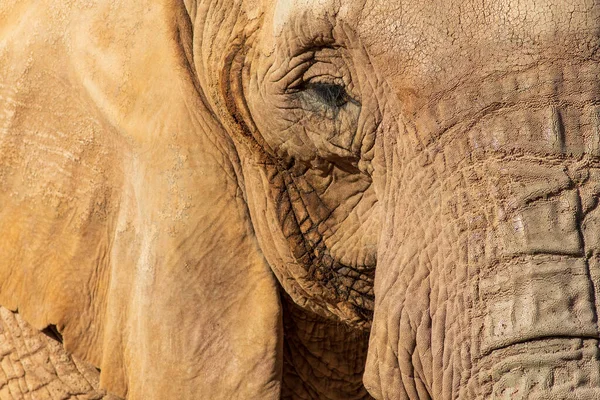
(306, 199)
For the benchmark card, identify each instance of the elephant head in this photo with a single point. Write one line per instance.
(257, 199)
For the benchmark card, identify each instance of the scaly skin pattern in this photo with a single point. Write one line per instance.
(35, 366)
(502, 301)
(307, 199)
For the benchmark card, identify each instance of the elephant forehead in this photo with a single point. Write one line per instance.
(287, 10)
(400, 24)
(423, 41)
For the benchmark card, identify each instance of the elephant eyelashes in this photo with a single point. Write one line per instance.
(331, 95)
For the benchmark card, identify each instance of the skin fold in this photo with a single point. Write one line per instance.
(306, 199)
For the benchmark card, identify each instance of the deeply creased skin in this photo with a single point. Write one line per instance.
(311, 199)
(36, 366)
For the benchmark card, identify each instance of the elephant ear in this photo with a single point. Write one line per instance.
(122, 219)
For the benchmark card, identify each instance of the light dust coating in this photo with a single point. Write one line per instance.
(295, 199)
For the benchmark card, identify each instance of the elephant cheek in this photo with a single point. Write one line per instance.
(486, 283)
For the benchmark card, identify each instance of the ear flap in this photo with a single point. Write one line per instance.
(122, 220)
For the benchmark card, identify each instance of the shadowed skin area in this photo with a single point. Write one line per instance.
(305, 199)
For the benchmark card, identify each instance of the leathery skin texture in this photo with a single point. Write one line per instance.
(300, 199)
(35, 366)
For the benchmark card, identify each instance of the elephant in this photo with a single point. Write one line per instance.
(306, 199)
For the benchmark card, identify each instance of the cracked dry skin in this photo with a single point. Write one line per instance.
(300, 199)
(36, 366)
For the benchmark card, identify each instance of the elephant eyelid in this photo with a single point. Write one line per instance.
(319, 82)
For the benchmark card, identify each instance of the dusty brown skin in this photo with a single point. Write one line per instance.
(34, 365)
(198, 195)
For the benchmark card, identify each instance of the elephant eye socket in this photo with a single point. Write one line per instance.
(331, 94)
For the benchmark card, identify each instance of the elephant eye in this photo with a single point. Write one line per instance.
(332, 95)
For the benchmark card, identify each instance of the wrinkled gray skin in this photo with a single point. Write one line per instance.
(465, 162)
(423, 172)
